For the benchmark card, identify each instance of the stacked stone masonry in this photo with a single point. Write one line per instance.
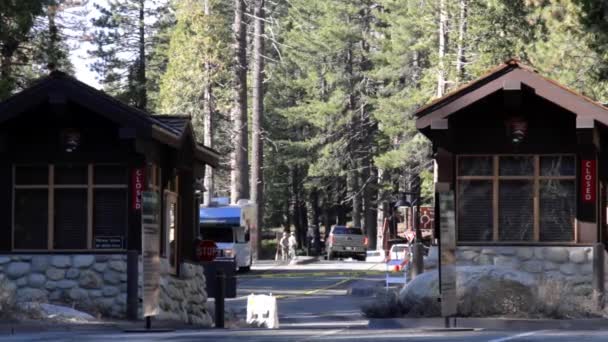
(572, 264)
(98, 284)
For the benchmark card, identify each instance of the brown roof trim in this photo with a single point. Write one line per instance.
(494, 80)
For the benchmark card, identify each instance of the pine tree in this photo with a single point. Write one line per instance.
(122, 39)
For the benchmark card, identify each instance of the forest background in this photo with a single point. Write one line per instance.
(309, 101)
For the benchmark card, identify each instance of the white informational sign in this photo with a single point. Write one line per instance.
(262, 311)
(448, 254)
(150, 220)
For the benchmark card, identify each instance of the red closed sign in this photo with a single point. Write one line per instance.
(137, 186)
(206, 250)
(588, 180)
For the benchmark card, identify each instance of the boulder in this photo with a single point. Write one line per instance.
(83, 261)
(90, 280)
(55, 274)
(568, 269)
(481, 291)
(111, 277)
(578, 255)
(17, 269)
(61, 261)
(72, 273)
(557, 254)
(118, 265)
(66, 284)
(40, 263)
(532, 266)
(110, 291)
(36, 280)
(525, 253)
(78, 294)
(100, 267)
(4, 260)
(31, 295)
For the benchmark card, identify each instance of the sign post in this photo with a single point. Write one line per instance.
(448, 256)
(150, 220)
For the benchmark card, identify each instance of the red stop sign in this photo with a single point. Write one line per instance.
(206, 250)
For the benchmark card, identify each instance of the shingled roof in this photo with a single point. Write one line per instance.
(507, 74)
(58, 86)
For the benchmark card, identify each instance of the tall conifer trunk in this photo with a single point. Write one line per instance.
(142, 97)
(441, 72)
(239, 176)
(257, 148)
(208, 122)
(462, 32)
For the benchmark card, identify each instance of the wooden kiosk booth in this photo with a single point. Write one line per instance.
(73, 164)
(526, 162)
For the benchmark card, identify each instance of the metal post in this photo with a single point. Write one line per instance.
(148, 322)
(132, 284)
(219, 299)
(418, 248)
(598, 274)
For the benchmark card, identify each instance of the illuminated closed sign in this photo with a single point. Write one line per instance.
(588, 180)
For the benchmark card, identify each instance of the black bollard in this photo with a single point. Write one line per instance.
(219, 299)
(132, 284)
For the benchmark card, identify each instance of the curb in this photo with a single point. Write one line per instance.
(304, 261)
(491, 323)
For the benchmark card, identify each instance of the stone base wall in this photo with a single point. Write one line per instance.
(572, 264)
(93, 283)
(182, 298)
(98, 284)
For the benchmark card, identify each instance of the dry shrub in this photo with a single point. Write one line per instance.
(557, 298)
(386, 305)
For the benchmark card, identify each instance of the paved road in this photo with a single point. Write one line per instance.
(314, 305)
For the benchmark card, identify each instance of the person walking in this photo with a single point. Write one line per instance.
(293, 244)
(284, 246)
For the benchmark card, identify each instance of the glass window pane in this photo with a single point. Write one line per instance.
(516, 166)
(557, 210)
(32, 175)
(110, 214)
(71, 174)
(475, 219)
(516, 210)
(475, 166)
(557, 166)
(70, 219)
(110, 174)
(31, 218)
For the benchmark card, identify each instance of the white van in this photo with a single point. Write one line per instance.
(229, 227)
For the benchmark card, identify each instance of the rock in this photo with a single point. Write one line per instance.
(482, 291)
(100, 267)
(72, 273)
(66, 284)
(118, 265)
(101, 258)
(61, 261)
(31, 295)
(557, 254)
(505, 250)
(50, 285)
(90, 280)
(568, 269)
(173, 292)
(40, 263)
(110, 291)
(506, 261)
(550, 266)
(95, 293)
(467, 255)
(578, 255)
(21, 282)
(187, 272)
(111, 277)
(36, 280)
(55, 274)
(78, 294)
(17, 269)
(4, 260)
(532, 266)
(525, 253)
(56, 296)
(488, 251)
(83, 261)
(587, 269)
(486, 259)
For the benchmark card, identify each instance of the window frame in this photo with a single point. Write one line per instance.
(495, 178)
(51, 187)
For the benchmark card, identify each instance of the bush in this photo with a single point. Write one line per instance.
(385, 306)
(558, 299)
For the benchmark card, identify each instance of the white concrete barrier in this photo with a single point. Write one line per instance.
(262, 311)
